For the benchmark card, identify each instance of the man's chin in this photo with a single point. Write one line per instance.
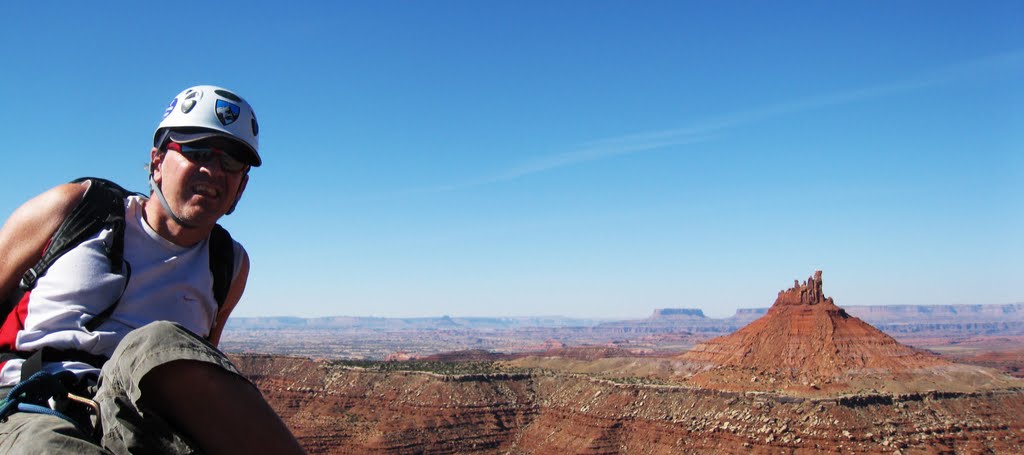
(203, 215)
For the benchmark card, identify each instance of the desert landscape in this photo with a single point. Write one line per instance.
(803, 376)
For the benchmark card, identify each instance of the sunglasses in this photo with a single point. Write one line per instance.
(201, 154)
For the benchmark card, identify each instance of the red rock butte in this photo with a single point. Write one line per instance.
(804, 334)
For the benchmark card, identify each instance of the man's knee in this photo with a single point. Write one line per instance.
(154, 331)
(153, 345)
(156, 336)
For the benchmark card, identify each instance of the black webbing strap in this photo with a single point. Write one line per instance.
(33, 364)
(34, 361)
(102, 205)
(222, 263)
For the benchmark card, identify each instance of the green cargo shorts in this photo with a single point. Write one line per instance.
(129, 426)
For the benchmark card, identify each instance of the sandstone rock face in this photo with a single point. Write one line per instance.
(804, 334)
(808, 293)
(856, 391)
(343, 410)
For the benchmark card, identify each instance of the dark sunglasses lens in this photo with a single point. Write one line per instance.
(196, 154)
(204, 155)
(229, 164)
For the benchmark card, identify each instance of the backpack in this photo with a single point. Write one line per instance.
(102, 207)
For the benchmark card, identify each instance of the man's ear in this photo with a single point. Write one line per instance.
(241, 187)
(156, 157)
(238, 195)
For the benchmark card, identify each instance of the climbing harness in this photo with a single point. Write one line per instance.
(47, 393)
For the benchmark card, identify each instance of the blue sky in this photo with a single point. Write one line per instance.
(595, 159)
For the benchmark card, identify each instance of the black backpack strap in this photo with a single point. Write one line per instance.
(102, 205)
(33, 364)
(34, 360)
(222, 263)
(112, 201)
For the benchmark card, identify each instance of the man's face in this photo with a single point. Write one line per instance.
(200, 180)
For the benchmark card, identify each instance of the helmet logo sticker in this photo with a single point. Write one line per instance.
(227, 113)
(170, 107)
(228, 95)
(190, 101)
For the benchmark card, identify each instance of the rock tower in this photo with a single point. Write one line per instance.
(804, 334)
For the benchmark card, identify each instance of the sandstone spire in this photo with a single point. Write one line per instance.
(805, 334)
(808, 293)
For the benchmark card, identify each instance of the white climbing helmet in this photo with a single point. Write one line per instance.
(206, 111)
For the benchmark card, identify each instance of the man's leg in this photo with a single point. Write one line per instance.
(166, 390)
(220, 411)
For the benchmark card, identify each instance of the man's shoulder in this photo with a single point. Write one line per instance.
(42, 214)
(60, 199)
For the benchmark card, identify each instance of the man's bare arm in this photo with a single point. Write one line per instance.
(25, 234)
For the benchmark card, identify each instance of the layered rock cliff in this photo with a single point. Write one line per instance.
(336, 409)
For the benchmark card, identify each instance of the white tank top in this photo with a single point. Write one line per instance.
(168, 283)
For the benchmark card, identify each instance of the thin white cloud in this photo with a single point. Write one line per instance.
(707, 129)
(596, 151)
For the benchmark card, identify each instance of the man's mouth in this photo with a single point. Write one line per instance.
(205, 189)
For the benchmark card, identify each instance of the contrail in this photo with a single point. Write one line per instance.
(707, 129)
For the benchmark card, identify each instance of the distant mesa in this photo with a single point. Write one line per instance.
(750, 312)
(679, 313)
(804, 334)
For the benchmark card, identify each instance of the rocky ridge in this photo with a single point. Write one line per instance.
(334, 408)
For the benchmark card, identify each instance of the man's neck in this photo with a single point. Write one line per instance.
(165, 226)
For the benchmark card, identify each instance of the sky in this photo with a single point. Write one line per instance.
(591, 159)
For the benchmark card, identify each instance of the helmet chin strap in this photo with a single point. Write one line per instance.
(235, 204)
(163, 202)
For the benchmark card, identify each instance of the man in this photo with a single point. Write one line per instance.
(165, 388)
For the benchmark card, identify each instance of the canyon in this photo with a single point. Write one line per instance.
(804, 376)
(337, 408)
